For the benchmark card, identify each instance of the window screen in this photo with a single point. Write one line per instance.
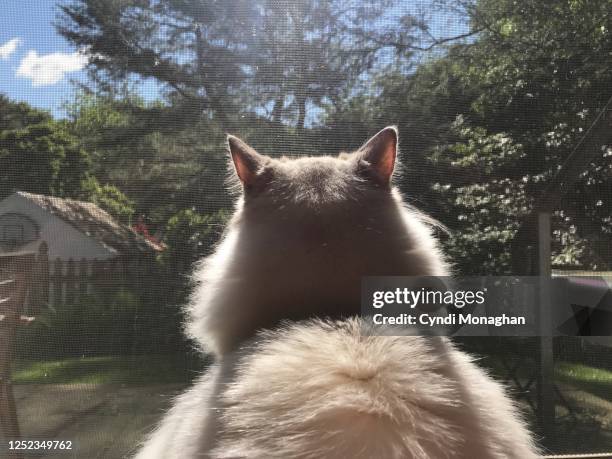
(114, 166)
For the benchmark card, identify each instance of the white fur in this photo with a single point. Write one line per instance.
(308, 388)
(339, 390)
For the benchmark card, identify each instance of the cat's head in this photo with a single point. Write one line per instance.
(313, 209)
(316, 183)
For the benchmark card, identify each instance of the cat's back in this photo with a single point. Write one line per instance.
(319, 389)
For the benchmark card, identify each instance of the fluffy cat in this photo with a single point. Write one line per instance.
(298, 373)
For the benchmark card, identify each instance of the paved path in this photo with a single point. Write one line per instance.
(102, 421)
(109, 421)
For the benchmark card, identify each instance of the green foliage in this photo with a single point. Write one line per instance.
(488, 207)
(160, 172)
(486, 125)
(190, 236)
(140, 369)
(542, 74)
(109, 198)
(100, 325)
(18, 115)
(38, 154)
(235, 57)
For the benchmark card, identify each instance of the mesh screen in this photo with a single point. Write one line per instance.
(113, 170)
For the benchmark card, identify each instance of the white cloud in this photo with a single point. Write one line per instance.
(9, 48)
(49, 69)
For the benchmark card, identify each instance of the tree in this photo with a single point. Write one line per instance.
(109, 198)
(542, 74)
(489, 121)
(190, 236)
(41, 155)
(222, 57)
(544, 71)
(17, 115)
(38, 154)
(160, 173)
(311, 52)
(191, 47)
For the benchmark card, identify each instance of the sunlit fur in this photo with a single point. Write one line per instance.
(295, 375)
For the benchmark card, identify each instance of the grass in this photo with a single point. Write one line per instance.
(134, 370)
(181, 368)
(597, 381)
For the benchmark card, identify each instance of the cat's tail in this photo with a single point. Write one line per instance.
(321, 389)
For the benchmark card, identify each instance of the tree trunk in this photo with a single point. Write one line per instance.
(277, 110)
(301, 101)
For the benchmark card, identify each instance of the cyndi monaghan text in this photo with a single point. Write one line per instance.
(432, 321)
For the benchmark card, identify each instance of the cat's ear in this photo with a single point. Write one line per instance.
(377, 156)
(247, 162)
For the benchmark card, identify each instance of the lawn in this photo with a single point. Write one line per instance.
(148, 383)
(181, 368)
(134, 370)
(597, 381)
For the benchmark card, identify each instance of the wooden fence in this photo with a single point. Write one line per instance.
(58, 281)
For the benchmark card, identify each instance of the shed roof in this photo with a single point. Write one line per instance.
(94, 222)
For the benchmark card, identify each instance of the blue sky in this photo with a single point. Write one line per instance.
(35, 62)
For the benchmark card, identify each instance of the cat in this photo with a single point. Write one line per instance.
(299, 374)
